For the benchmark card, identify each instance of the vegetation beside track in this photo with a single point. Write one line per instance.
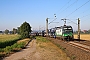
(50, 50)
(42, 39)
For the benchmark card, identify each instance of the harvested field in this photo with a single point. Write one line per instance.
(83, 36)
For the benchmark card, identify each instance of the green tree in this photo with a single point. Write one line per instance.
(6, 31)
(25, 30)
(18, 30)
(14, 31)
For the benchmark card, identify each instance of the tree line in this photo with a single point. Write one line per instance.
(24, 30)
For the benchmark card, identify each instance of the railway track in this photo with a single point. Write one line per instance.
(80, 46)
(84, 42)
(78, 49)
(84, 45)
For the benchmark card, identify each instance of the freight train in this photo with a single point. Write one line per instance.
(62, 32)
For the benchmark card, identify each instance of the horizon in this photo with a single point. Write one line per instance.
(14, 12)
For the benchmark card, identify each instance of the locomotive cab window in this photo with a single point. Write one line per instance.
(68, 29)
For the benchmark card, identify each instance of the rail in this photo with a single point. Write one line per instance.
(81, 46)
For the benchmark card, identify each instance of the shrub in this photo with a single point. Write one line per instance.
(8, 49)
(19, 45)
(1, 50)
(14, 47)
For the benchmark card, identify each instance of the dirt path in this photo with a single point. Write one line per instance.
(39, 51)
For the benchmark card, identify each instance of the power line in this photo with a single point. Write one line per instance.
(64, 6)
(78, 8)
(59, 10)
(53, 20)
(68, 20)
(85, 16)
(73, 22)
(82, 12)
(70, 5)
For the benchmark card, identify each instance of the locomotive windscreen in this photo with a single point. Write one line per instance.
(68, 29)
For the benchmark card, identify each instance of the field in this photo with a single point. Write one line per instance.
(8, 40)
(8, 37)
(83, 36)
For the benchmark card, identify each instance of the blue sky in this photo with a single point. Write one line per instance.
(14, 12)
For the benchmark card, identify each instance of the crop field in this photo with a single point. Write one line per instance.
(83, 36)
(8, 37)
(8, 40)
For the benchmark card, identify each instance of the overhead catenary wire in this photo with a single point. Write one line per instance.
(53, 20)
(74, 10)
(78, 8)
(68, 20)
(66, 8)
(69, 6)
(61, 9)
(73, 22)
(63, 6)
(82, 12)
(85, 16)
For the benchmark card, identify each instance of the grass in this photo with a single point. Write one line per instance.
(60, 47)
(42, 39)
(83, 36)
(49, 50)
(13, 48)
(73, 57)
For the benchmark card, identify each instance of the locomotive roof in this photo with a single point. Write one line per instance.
(63, 26)
(66, 26)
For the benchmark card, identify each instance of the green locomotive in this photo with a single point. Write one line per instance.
(64, 32)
